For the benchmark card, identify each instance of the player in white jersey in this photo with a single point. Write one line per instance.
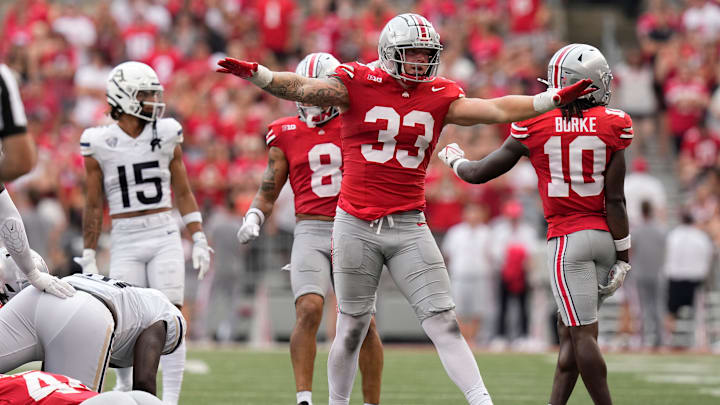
(136, 163)
(106, 322)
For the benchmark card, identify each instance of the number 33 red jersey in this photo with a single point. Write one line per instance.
(37, 387)
(570, 159)
(388, 136)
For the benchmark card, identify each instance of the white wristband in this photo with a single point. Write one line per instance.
(194, 216)
(622, 244)
(457, 163)
(262, 77)
(257, 212)
(88, 254)
(543, 102)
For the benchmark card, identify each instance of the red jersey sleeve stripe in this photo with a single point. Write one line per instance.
(518, 128)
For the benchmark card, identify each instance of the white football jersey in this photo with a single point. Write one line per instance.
(135, 309)
(136, 171)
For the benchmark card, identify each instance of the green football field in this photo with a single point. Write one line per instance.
(414, 376)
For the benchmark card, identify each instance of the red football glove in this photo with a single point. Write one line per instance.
(571, 93)
(239, 68)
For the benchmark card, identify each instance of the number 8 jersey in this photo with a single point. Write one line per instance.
(388, 136)
(136, 171)
(314, 162)
(570, 159)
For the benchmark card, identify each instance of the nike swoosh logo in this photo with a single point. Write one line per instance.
(436, 89)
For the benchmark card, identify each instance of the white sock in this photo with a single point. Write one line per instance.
(173, 366)
(368, 404)
(343, 358)
(304, 396)
(456, 357)
(123, 379)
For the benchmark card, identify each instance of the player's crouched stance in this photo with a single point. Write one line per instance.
(584, 206)
(38, 387)
(107, 322)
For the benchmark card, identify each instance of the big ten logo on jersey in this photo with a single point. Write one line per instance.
(325, 160)
(387, 136)
(288, 127)
(374, 78)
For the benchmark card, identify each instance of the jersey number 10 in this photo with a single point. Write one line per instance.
(139, 179)
(557, 186)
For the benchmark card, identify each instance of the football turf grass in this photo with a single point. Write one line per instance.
(416, 376)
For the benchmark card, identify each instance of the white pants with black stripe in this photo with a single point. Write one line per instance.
(71, 336)
(578, 263)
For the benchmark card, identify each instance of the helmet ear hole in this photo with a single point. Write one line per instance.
(115, 113)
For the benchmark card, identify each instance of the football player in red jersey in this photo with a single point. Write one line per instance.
(307, 149)
(392, 113)
(578, 155)
(41, 388)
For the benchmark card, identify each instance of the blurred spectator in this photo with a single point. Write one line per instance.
(702, 16)
(472, 279)
(278, 22)
(641, 186)
(513, 242)
(90, 85)
(700, 152)
(689, 254)
(647, 266)
(686, 96)
(634, 93)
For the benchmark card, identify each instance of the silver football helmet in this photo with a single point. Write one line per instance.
(12, 279)
(409, 31)
(316, 65)
(126, 80)
(576, 62)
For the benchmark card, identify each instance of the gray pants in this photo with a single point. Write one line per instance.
(72, 336)
(123, 398)
(310, 263)
(401, 241)
(578, 263)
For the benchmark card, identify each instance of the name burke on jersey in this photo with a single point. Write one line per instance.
(586, 124)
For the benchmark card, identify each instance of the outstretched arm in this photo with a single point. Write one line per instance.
(472, 111)
(290, 86)
(276, 173)
(493, 165)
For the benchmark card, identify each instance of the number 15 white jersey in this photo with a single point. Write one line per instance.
(136, 171)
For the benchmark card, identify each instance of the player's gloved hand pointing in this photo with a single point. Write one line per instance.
(616, 277)
(250, 228)
(251, 71)
(50, 284)
(87, 262)
(553, 98)
(452, 155)
(201, 254)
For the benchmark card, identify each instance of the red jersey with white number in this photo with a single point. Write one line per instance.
(570, 159)
(37, 387)
(314, 162)
(388, 136)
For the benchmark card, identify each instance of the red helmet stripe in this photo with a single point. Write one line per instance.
(558, 64)
(311, 65)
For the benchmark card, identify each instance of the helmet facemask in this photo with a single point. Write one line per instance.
(314, 115)
(405, 32)
(316, 65)
(134, 89)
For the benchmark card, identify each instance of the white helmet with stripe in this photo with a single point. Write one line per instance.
(317, 66)
(409, 31)
(576, 62)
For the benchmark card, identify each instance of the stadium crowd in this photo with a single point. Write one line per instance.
(667, 79)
